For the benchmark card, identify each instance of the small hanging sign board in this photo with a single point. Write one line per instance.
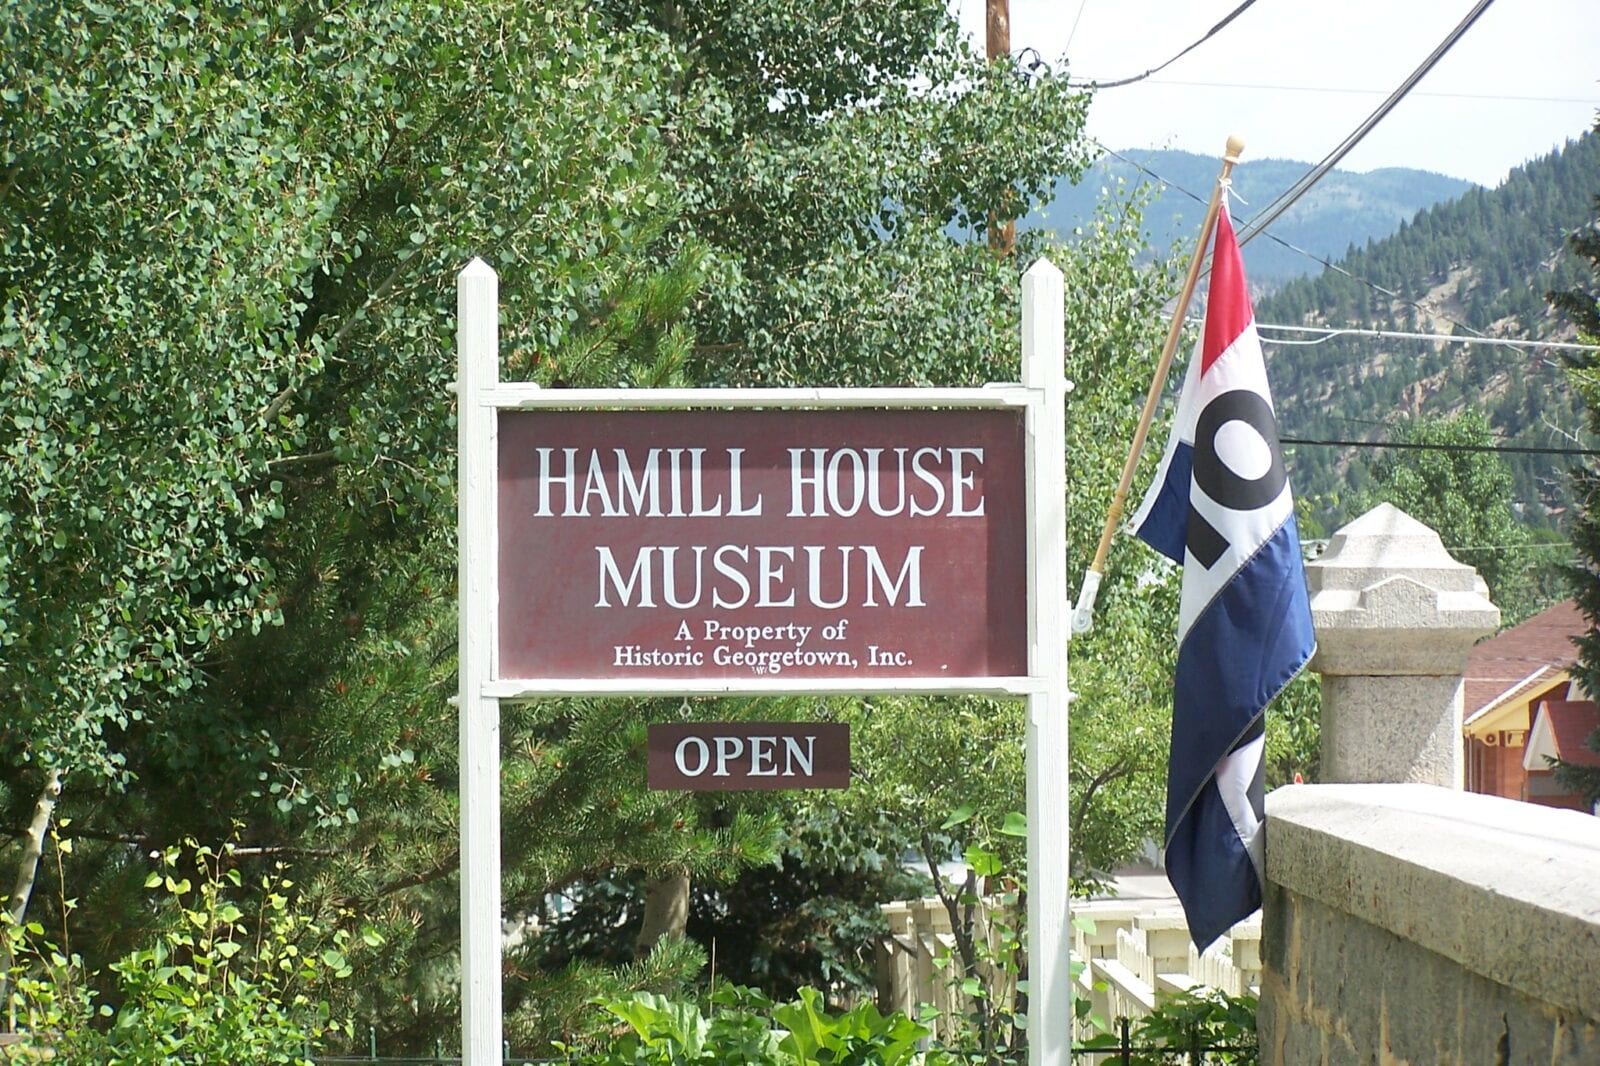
(724, 756)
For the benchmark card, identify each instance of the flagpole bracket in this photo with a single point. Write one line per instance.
(1083, 610)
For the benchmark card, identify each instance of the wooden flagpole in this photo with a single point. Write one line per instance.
(1083, 612)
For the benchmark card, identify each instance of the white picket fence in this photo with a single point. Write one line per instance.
(1135, 953)
(910, 967)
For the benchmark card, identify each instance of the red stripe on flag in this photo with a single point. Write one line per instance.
(1228, 302)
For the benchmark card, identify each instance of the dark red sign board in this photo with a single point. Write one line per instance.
(723, 756)
(775, 544)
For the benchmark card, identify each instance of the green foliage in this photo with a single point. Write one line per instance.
(1294, 732)
(1122, 669)
(557, 1003)
(1190, 1024)
(986, 965)
(1585, 581)
(820, 150)
(1464, 496)
(811, 917)
(745, 1027)
(228, 242)
(215, 985)
(227, 248)
(226, 245)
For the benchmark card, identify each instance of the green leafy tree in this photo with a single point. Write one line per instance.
(1450, 480)
(1582, 307)
(229, 244)
(176, 374)
(821, 150)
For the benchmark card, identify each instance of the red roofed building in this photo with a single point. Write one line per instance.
(1561, 731)
(1510, 678)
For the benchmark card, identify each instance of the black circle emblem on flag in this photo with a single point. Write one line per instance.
(1221, 482)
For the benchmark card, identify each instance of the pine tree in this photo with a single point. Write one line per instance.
(1582, 307)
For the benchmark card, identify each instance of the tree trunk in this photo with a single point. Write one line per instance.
(666, 911)
(33, 846)
(27, 870)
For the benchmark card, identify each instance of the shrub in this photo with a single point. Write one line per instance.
(745, 1028)
(216, 986)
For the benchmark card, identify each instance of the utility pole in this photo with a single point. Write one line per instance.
(997, 45)
(997, 35)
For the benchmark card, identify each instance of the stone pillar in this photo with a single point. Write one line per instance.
(1395, 616)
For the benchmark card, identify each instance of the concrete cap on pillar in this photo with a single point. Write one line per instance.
(1387, 599)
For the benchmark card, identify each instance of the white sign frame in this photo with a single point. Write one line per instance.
(1041, 396)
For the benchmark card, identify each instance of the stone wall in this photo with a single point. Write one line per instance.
(1412, 924)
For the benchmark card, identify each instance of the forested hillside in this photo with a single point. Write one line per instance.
(1477, 265)
(1344, 210)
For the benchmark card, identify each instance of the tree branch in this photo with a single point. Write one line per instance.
(272, 409)
(1115, 772)
(959, 929)
(147, 843)
(11, 182)
(450, 865)
(328, 456)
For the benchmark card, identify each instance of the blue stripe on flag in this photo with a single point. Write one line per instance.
(1210, 869)
(1162, 525)
(1242, 649)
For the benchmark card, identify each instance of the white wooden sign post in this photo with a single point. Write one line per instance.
(763, 542)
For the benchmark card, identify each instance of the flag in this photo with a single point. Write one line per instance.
(1221, 506)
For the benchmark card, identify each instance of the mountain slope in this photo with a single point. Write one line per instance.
(1345, 209)
(1479, 264)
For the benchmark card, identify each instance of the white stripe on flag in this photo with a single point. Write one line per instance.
(1236, 773)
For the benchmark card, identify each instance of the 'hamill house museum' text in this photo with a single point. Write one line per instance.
(823, 542)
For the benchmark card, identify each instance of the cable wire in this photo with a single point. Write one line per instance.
(1329, 264)
(1334, 89)
(1212, 32)
(1515, 449)
(1067, 48)
(1475, 334)
(1270, 213)
(1328, 334)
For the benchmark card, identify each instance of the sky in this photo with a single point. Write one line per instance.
(1294, 77)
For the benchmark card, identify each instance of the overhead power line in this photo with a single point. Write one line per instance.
(1067, 48)
(1212, 32)
(1329, 264)
(1347, 91)
(1327, 334)
(1270, 213)
(1474, 335)
(1515, 449)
